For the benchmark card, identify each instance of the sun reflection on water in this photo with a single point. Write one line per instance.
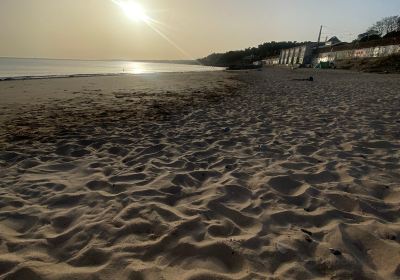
(136, 68)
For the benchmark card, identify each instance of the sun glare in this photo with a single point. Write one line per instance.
(133, 10)
(136, 12)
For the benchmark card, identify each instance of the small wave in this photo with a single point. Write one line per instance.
(18, 78)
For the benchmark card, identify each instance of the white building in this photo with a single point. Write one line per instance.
(301, 55)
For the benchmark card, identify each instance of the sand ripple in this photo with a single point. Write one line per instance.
(227, 176)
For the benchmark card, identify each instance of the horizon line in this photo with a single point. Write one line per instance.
(95, 59)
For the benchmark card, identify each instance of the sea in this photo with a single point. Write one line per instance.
(32, 68)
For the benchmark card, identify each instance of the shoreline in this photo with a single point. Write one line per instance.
(45, 77)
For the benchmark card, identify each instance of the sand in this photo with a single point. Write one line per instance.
(246, 175)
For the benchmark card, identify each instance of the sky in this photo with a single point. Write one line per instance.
(175, 29)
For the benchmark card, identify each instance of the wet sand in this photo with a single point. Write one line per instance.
(220, 175)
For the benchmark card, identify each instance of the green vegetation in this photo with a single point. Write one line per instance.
(387, 27)
(248, 55)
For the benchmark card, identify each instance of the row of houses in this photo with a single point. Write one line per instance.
(312, 54)
(301, 55)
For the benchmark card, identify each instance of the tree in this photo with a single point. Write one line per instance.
(398, 23)
(391, 23)
(371, 33)
(248, 55)
(386, 25)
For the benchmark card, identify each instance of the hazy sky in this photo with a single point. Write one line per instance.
(99, 29)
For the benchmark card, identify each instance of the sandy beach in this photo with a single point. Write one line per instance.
(211, 175)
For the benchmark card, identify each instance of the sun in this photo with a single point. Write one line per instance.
(133, 10)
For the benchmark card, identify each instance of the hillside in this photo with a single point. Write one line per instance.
(248, 55)
(389, 64)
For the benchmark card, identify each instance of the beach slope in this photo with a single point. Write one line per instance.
(220, 175)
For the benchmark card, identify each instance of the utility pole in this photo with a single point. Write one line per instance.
(319, 37)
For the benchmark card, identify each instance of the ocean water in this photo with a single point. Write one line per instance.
(22, 68)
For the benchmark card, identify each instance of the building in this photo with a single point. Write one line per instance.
(312, 54)
(301, 55)
(271, 61)
(304, 55)
(332, 41)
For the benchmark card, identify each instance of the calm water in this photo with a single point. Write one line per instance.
(34, 68)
